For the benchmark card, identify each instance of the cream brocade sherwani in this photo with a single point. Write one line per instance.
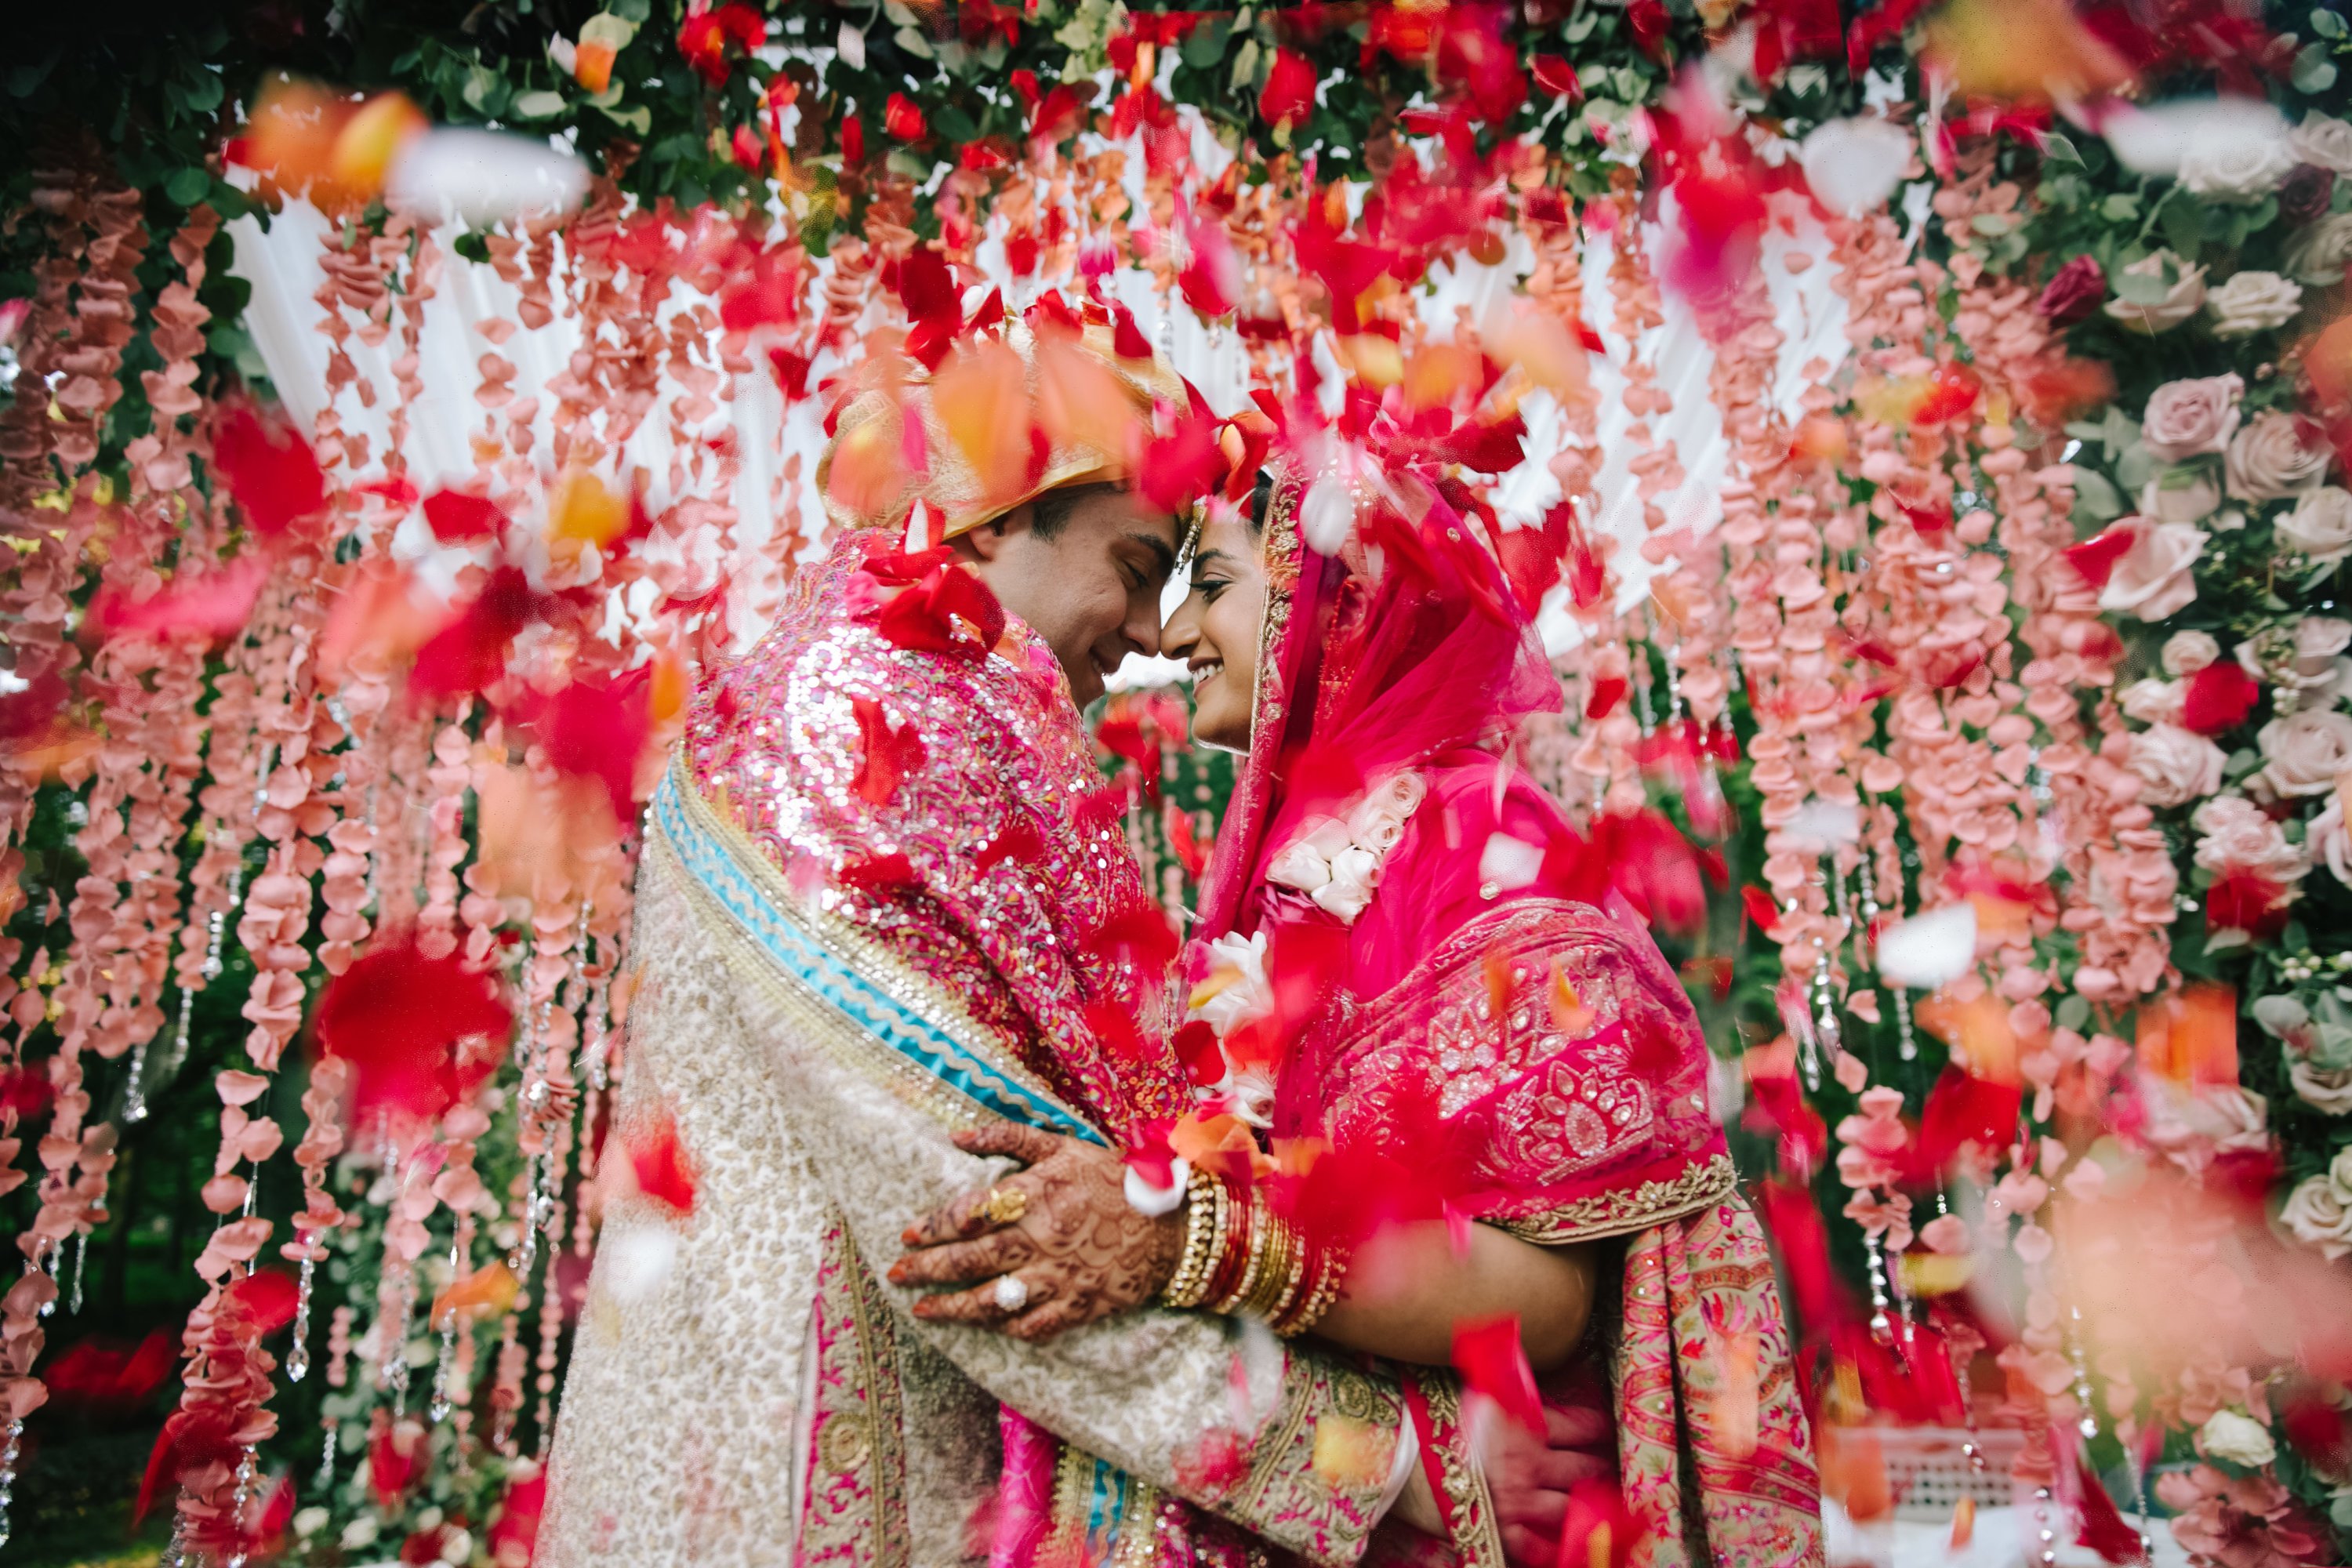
(828, 987)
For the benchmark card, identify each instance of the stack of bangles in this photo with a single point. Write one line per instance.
(1241, 1256)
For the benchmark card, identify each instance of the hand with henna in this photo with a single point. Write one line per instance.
(1079, 1251)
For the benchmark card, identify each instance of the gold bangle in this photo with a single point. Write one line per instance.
(1294, 1274)
(1252, 1259)
(1186, 1286)
(1328, 1268)
(1275, 1280)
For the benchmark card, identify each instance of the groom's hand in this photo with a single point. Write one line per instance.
(1078, 1252)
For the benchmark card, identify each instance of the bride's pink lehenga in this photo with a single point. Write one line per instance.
(1525, 1057)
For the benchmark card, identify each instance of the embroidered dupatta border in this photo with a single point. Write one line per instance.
(917, 1027)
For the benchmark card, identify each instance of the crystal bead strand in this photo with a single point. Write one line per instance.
(297, 1354)
(80, 1269)
(1882, 1325)
(439, 1409)
(10, 1449)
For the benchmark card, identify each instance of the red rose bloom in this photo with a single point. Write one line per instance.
(2079, 288)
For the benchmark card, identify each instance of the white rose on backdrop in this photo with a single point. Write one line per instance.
(2193, 1126)
(2182, 301)
(2240, 1439)
(2186, 653)
(2328, 839)
(2320, 525)
(2316, 252)
(2318, 639)
(2253, 302)
(2239, 835)
(2236, 169)
(2283, 1017)
(2303, 751)
(2275, 456)
(2328, 1090)
(2323, 141)
(2153, 701)
(2178, 765)
(2315, 1216)
(2194, 416)
(2152, 580)
(2182, 495)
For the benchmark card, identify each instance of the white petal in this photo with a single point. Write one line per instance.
(2154, 141)
(637, 1261)
(1825, 823)
(482, 176)
(1853, 165)
(1929, 950)
(1510, 862)
(1327, 516)
(1152, 1202)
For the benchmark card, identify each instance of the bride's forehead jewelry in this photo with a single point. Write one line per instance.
(1195, 522)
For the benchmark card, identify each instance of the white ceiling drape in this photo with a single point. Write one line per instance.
(283, 266)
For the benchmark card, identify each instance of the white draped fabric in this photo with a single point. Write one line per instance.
(282, 264)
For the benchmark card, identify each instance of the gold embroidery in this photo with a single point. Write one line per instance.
(1478, 1539)
(843, 1446)
(1616, 1212)
(1353, 1395)
(877, 1432)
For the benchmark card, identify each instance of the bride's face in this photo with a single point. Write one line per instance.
(1215, 631)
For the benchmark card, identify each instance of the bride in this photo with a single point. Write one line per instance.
(1448, 1101)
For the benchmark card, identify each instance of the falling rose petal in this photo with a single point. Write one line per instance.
(454, 174)
(982, 397)
(635, 1261)
(265, 1296)
(598, 733)
(403, 1023)
(271, 469)
(1326, 517)
(1489, 1355)
(1508, 862)
(2154, 141)
(1828, 824)
(664, 1172)
(886, 755)
(1930, 950)
(212, 607)
(1853, 165)
(2218, 698)
(457, 518)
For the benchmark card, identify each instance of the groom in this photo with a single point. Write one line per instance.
(882, 900)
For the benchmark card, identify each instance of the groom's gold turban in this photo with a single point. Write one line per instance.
(1004, 419)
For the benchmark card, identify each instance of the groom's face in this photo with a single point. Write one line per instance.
(1086, 577)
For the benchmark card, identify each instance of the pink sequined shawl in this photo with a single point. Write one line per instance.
(1527, 1059)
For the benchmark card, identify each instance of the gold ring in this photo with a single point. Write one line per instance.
(1005, 1206)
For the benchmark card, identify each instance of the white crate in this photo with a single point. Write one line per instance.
(1928, 1475)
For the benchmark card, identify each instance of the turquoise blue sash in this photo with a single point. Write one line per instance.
(841, 983)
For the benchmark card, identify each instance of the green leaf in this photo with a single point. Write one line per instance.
(1244, 73)
(2313, 72)
(632, 10)
(638, 118)
(2327, 22)
(186, 187)
(203, 92)
(912, 40)
(472, 247)
(2060, 150)
(485, 92)
(538, 105)
(1991, 224)
(2073, 1013)
(2183, 220)
(2135, 468)
(2095, 496)
(2121, 208)
(608, 27)
(1206, 46)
